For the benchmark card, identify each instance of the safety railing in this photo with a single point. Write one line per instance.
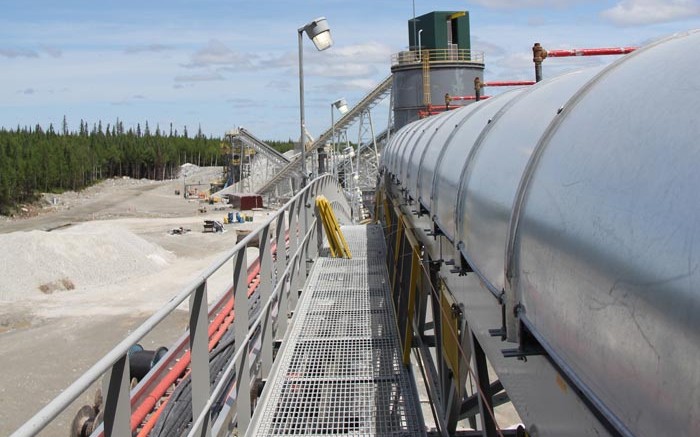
(280, 279)
(451, 55)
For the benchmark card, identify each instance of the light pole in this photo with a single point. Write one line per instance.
(342, 106)
(320, 34)
(414, 23)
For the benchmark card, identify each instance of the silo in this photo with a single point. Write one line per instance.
(439, 62)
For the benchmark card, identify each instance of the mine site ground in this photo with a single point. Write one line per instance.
(89, 267)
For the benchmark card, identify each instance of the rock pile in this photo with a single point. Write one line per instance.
(80, 257)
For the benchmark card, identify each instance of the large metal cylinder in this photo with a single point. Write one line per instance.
(576, 201)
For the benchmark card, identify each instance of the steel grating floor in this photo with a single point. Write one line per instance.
(340, 372)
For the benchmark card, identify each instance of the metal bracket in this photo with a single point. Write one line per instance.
(502, 331)
(523, 352)
(435, 263)
(457, 310)
(435, 232)
(499, 332)
(528, 346)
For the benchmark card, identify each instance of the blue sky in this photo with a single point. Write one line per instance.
(222, 64)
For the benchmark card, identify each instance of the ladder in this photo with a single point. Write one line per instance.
(427, 100)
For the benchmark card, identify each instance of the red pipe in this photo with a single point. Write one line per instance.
(180, 367)
(509, 83)
(216, 330)
(467, 97)
(228, 320)
(590, 52)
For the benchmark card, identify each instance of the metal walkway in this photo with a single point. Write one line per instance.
(340, 370)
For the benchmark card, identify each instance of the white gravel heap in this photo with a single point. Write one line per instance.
(187, 170)
(84, 256)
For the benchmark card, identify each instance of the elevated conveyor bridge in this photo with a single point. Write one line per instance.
(262, 170)
(379, 93)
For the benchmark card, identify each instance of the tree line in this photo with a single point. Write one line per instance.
(34, 160)
(282, 146)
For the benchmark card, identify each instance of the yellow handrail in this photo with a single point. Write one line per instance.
(336, 240)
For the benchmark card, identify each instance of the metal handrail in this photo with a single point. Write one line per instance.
(113, 363)
(415, 57)
(196, 428)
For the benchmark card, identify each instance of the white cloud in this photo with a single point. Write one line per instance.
(361, 84)
(52, 51)
(635, 12)
(522, 4)
(218, 53)
(351, 61)
(279, 85)
(341, 69)
(489, 48)
(18, 53)
(367, 52)
(153, 48)
(201, 77)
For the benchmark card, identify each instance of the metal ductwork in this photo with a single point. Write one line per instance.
(576, 203)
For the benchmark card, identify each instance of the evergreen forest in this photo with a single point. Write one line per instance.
(34, 160)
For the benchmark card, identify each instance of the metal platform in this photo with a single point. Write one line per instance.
(340, 371)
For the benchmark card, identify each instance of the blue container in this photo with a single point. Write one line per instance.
(230, 217)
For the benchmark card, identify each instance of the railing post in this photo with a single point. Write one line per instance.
(303, 227)
(283, 308)
(265, 290)
(117, 408)
(297, 280)
(240, 324)
(281, 266)
(199, 347)
(304, 211)
(294, 227)
(312, 249)
(319, 231)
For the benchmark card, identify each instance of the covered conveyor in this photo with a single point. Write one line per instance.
(573, 206)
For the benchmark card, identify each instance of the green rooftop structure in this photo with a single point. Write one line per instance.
(438, 65)
(440, 30)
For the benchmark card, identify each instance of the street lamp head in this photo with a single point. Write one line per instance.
(341, 105)
(319, 32)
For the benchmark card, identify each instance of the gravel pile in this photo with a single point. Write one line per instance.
(80, 257)
(187, 170)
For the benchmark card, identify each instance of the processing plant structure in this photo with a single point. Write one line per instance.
(532, 248)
